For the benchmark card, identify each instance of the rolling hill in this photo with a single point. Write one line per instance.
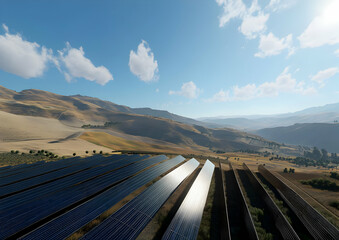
(321, 135)
(75, 111)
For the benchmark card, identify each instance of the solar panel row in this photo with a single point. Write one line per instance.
(20, 168)
(131, 219)
(39, 170)
(51, 176)
(52, 187)
(186, 222)
(26, 215)
(9, 169)
(70, 222)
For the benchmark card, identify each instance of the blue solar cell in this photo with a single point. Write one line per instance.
(68, 223)
(39, 169)
(51, 176)
(130, 220)
(14, 221)
(186, 221)
(55, 186)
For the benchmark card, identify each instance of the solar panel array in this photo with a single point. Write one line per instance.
(130, 220)
(52, 187)
(186, 222)
(53, 200)
(19, 218)
(38, 180)
(68, 223)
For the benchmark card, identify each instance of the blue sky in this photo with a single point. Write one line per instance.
(193, 58)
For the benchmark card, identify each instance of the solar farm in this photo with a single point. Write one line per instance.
(56, 200)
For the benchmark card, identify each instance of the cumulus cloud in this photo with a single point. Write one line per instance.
(221, 96)
(252, 25)
(78, 66)
(284, 83)
(323, 29)
(253, 19)
(188, 90)
(23, 58)
(323, 75)
(142, 63)
(271, 45)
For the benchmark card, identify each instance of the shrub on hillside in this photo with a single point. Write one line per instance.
(323, 184)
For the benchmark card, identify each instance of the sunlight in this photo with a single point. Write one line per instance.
(330, 13)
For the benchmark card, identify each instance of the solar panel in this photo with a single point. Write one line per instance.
(186, 222)
(70, 222)
(30, 169)
(26, 215)
(35, 193)
(133, 217)
(40, 169)
(51, 176)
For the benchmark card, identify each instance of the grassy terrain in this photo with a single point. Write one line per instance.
(335, 204)
(321, 183)
(114, 142)
(15, 157)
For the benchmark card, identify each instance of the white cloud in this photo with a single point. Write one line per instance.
(252, 25)
(23, 58)
(188, 90)
(276, 5)
(244, 93)
(231, 9)
(221, 96)
(284, 83)
(142, 63)
(79, 66)
(321, 76)
(336, 52)
(253, 20)
(323, 29)
(271, 45)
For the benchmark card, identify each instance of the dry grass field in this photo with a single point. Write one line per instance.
(134, 144)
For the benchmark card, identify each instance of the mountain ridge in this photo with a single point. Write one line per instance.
(321, 135)
(322, 114)
(78, 110)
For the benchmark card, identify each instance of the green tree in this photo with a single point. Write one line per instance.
(324, 155)
(316, 154)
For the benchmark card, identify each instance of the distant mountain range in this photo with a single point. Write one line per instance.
(321, 135)
(145, 111)
(144, 122)
(324, 114)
